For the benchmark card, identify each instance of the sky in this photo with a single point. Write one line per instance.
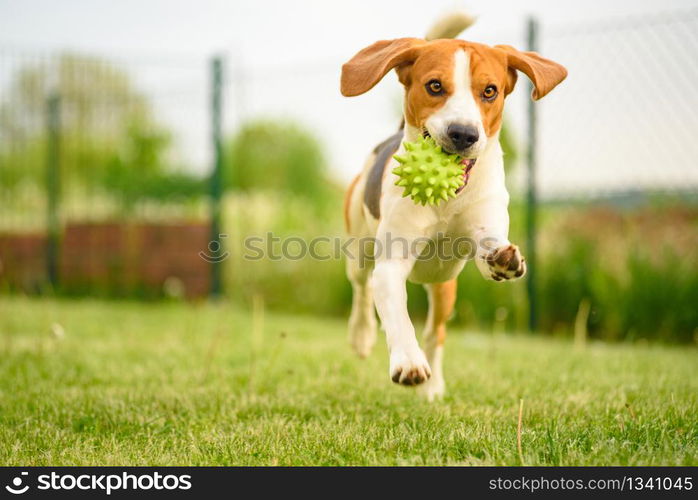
(266, 30)
(283, 57)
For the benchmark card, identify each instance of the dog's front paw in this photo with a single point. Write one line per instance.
(409, 366)
(506, 263)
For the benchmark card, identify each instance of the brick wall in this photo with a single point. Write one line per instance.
(113, 259)
(23, 262)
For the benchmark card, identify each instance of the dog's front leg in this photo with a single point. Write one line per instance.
(496, 257)
(408, 365)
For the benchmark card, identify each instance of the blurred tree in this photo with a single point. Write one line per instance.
(278, 156)
(109, 139)
(96, 98)
(138, 170)
(97, 107)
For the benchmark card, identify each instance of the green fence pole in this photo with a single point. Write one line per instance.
(53, 139)
(531, 197)
(216, 187)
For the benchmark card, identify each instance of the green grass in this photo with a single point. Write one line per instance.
(174, 384)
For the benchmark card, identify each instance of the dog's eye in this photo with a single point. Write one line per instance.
(434, 87)
(489, 93)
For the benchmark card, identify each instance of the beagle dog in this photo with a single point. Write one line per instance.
(454, 92)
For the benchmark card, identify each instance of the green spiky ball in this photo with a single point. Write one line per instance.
(428, 174)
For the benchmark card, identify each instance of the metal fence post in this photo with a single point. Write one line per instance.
(53, 137)
(216, 181)
(531, 196)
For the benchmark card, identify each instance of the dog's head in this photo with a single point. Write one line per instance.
(454, 90)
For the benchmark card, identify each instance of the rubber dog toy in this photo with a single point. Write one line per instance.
(428, 174)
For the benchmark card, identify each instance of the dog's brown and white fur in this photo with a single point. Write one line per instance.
(462, 116)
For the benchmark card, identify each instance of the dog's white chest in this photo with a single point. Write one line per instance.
(443, 258)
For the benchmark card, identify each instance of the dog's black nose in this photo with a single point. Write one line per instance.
(462, 136)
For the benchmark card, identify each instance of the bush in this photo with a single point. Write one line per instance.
(305, 285)
(138, 171)
(278, 157)
(638, 269)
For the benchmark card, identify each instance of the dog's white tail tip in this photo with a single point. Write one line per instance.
(450, 25)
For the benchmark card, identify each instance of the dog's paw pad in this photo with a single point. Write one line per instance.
(506, 263)
(409, 368)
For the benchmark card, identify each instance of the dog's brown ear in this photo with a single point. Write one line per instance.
(544, 73)
(369, 65)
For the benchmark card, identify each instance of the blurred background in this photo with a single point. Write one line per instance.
(134, 134)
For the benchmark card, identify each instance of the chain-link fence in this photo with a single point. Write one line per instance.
(626, 118)
(104, 167)
(621, 123)
(616, 171)
(614, 212)
(611, 223)
(609, 226)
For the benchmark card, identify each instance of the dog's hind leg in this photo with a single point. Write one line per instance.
(442, 297)
(362, 322)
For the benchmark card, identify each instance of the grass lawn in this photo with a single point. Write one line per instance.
(174, 384)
